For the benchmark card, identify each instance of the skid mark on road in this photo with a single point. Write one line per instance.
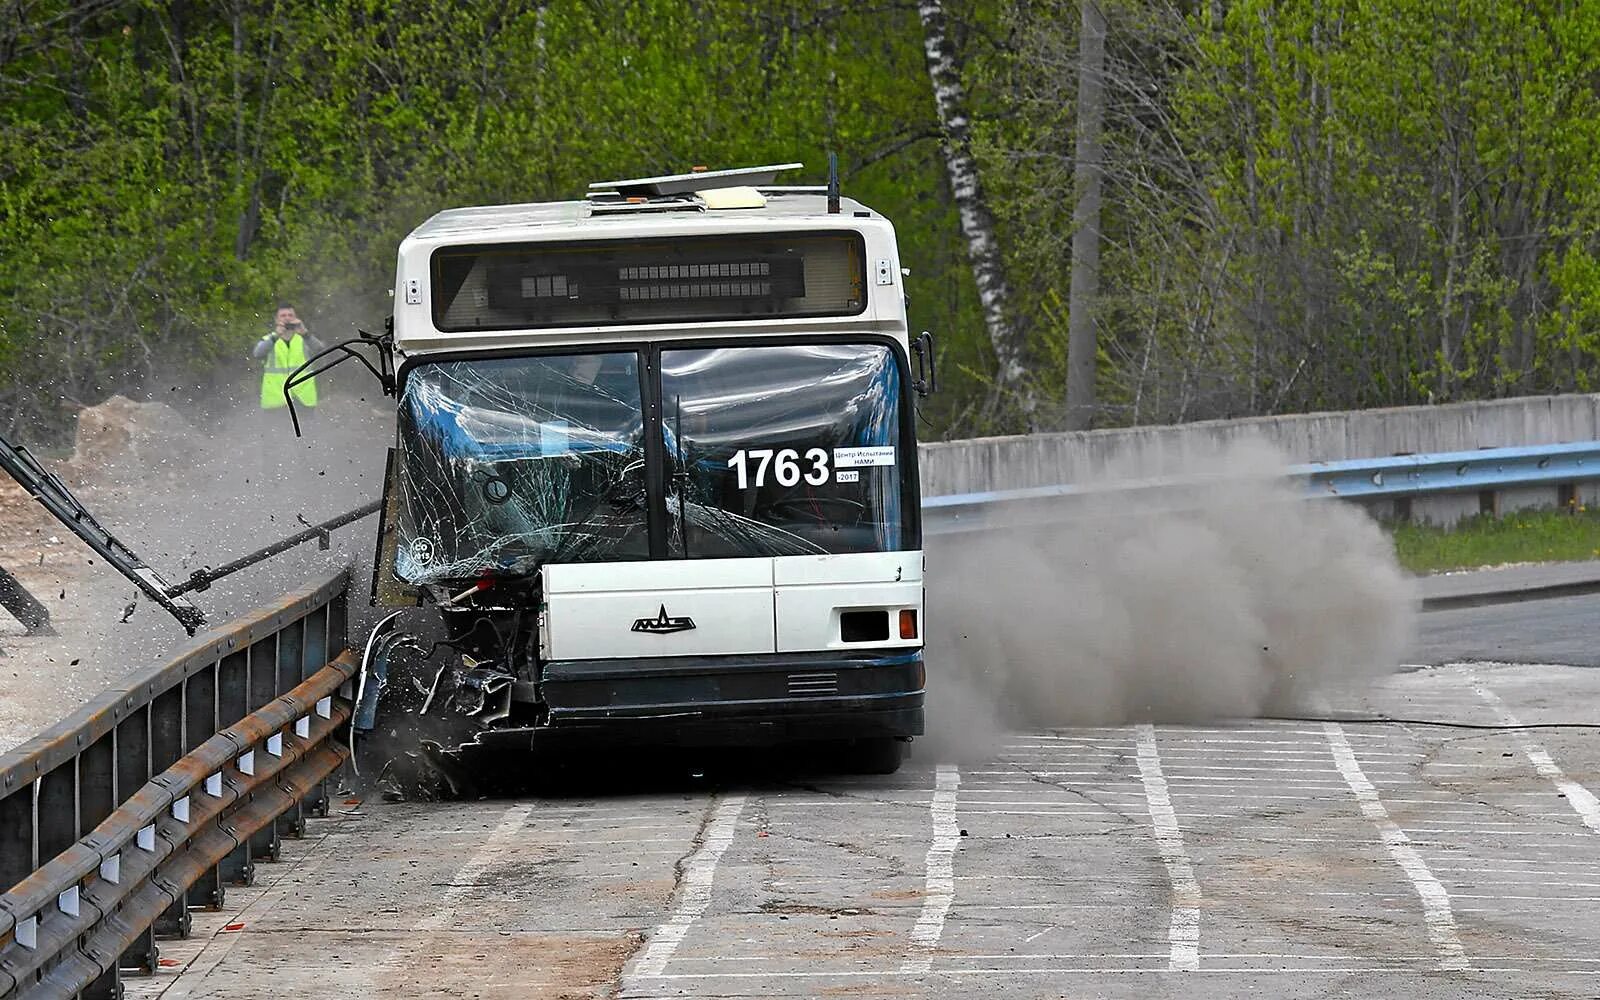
(1582, 801)
(694, 893)
(1184, 929)
(941, 884)
(1436, 912)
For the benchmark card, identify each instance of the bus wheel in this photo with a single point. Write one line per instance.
(879, 755)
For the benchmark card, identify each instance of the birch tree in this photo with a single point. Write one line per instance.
(1006, 338)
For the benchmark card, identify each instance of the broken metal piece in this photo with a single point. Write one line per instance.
(202, 579)
(54, 496)
(24, 607)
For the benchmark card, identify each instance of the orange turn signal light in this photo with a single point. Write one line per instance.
(908, 623)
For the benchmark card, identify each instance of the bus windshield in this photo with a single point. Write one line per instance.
(783, 450)
(508, 463)
(767, 450)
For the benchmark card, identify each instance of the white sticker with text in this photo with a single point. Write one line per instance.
(860, 458)
(847, 476)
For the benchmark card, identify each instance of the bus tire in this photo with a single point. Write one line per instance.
(879, 755)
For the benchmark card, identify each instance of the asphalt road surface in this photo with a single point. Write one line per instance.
(1284, 858)
(1565, 630)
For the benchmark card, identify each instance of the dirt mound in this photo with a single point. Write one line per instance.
(121, 437)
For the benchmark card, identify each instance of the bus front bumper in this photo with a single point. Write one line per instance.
(737, 700)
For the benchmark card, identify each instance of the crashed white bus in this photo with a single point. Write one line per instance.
(656, 470)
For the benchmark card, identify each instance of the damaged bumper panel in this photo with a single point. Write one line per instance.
(744, 700)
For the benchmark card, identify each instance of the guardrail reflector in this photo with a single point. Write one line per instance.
(111, 869)
(214, 785)
(180, 810)
(146, 837)
(67, 902)
(302, 727)
(247, 762)
(324, 708)
(28, 933)
(275, 745)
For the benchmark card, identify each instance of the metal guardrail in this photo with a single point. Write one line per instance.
(1364, 479)
(158, 794)
(1453, 471)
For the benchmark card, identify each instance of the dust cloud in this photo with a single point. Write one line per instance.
(1233, 598)
(242, 480)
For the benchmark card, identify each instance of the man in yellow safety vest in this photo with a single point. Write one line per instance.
(286, 348)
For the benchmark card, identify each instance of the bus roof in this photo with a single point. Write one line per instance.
(798, 211)
(592, 219)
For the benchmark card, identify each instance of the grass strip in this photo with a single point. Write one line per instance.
(1520, 537)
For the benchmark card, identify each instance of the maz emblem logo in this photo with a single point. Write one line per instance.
(663, 624)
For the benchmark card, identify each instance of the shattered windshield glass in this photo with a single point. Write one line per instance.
(511, 462)
(783, 450)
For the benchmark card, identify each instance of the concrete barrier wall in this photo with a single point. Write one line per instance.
(981, 464)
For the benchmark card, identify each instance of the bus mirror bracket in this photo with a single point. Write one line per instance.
(383, 371)
(925, 377)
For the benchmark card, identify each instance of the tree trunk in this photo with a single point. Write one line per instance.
(1086, 171)
(977, 223)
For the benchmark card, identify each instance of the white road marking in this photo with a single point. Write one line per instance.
(694, 894)
(1582, 801)
(1184, 930)
(1374, 967)
(1441, 922)
(941, 884)
(506, 838)
(1302, 957)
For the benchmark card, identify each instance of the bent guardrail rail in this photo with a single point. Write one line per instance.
(1362, 479)
(160, 792)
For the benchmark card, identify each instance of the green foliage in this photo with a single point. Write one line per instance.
(1525, 536)
(1309, 204)
(168, 172)
(1320, 205)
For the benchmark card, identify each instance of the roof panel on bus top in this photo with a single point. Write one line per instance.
(572, 220)
(495, 222)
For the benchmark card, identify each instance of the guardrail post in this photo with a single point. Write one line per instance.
(97, 797)
(18, 856)
(314, 655)
(58, 810)
(107, 987)
(133, 770)
(199, 722)
(233, 694)
(97, 782)
(264, 845)
(1567, 497)
(338, 617)
(290, 650)
(166, 746)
